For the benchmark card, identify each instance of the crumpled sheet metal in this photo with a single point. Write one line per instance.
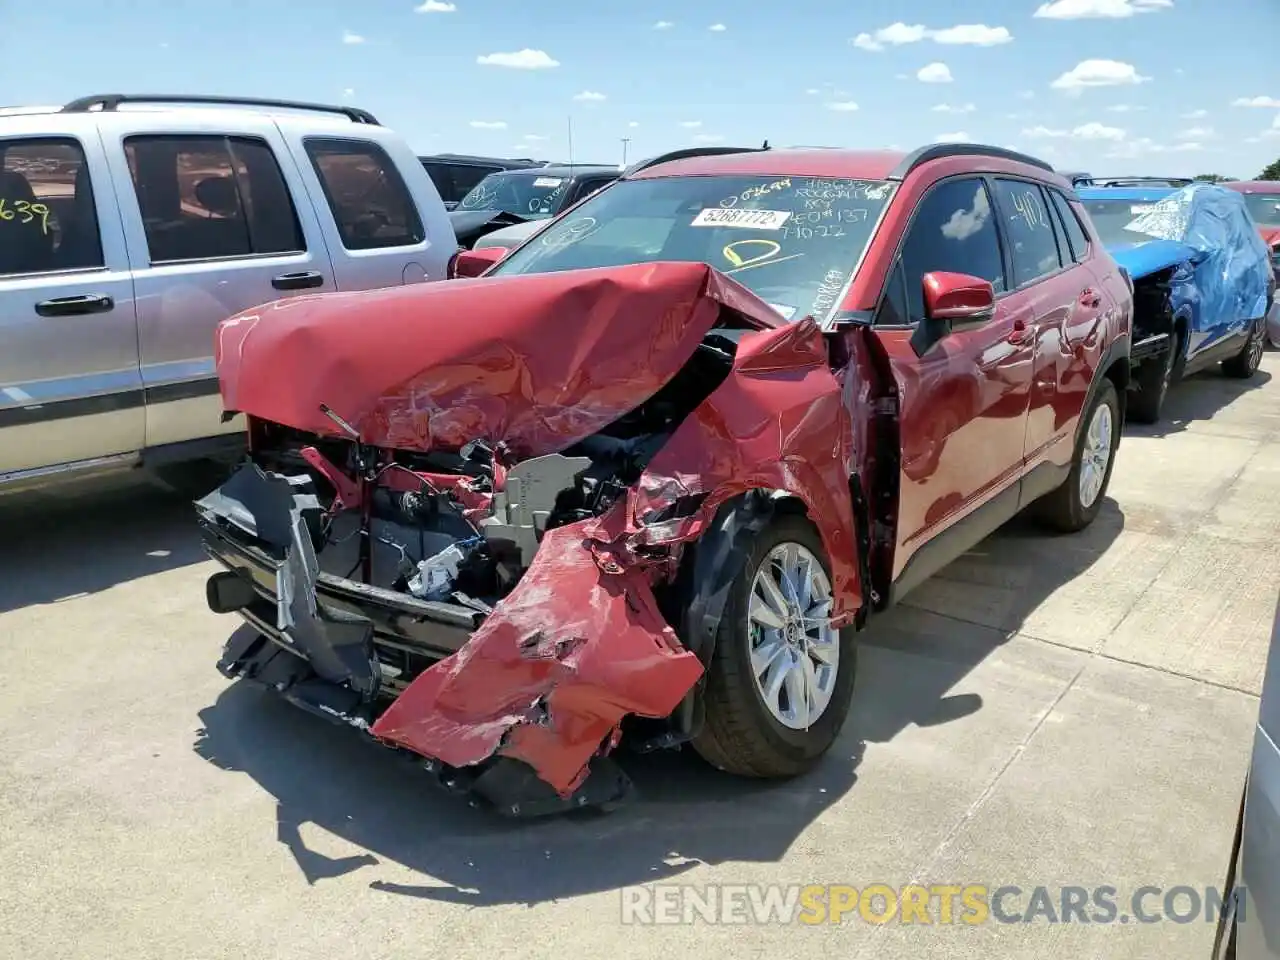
(551, 673)
(533, 362)
(1230, 283)
(580, 643)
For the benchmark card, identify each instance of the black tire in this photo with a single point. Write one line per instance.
(1153, 381)
(1245, 363)
(1062, 508)
(740, 735)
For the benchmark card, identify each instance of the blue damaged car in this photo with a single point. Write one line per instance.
(1201, 277)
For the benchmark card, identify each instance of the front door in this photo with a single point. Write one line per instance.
(963, 403)
(70, 389)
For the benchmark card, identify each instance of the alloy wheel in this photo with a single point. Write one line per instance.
(1095, 455)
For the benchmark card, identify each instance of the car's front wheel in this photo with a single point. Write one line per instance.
(781, 677)
(1245, 363)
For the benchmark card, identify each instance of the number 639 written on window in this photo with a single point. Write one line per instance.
(25, 212)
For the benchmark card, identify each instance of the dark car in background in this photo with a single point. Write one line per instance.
(525, 196)
(455, 174)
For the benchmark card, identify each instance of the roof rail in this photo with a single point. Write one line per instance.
(111, 101)
(1135, 181)
(938, 151)
(688, 153)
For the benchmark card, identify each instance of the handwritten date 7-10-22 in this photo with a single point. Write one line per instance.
(25, 212)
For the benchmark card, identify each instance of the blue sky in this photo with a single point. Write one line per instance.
(1119, 86)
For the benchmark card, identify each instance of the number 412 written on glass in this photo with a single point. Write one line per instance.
(25, 212)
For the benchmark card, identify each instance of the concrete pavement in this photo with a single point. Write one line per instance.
(1047, 711)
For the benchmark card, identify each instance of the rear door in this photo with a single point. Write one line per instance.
(1063, 304)
(70, 388)
(209, 213)
(383, 218)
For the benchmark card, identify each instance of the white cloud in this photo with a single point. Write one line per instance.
(1198, 133)
(813, 91)
(842, 106)
(435, 6)
(590, 96)
(663, 25)
(1099, 9)
(1269, 102)
(349, 92)
(717, 28)
(691, 124)
(633, 124)
(893, 35)
(898, 34)
(352, 38)
(1195, 114)
(1098, 73)
(934, 73)
(1086, 131)
(708, 138)
(958, 137)
(536, 138)
(1027, 95)
(972, 34)
(1124, 108)
(948, 108)
(489, 124)
(525, 59)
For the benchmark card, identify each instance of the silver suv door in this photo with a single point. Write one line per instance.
(208, 201)
(70, 388)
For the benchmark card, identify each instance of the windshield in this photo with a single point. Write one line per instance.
(794, 241)
(523, 194)
(1264, 208)
(1111, 218)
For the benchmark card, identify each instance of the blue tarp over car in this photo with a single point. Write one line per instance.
(1222, 267)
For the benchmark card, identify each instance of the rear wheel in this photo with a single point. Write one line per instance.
(1245, 363)
(1073, 505)
(781, 679)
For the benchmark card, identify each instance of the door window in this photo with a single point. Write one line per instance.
(953, 231)
(211, 197)
(370, 202)
(1029, 228)
(48, 221)
(1078, 239)
(466, 176)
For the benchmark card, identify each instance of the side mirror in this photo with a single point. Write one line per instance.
(472, 263)
(952, 301)
(958, 299)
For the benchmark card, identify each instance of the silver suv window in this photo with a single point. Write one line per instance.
(211, 197)
(370, 202)
(47, 217)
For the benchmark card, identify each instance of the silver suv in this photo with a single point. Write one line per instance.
(130, 226)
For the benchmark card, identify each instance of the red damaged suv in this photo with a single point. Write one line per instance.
(644, 480)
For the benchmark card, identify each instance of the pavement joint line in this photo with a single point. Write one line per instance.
(921, 871)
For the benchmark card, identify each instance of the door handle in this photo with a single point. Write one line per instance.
(298, 281)
(1021, 333)
(75, 306)
(1090, 298)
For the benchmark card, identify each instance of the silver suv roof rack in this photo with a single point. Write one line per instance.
(111, 101)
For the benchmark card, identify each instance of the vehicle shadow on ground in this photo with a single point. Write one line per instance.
(1198, 398)
(686, 813)
(77, 540)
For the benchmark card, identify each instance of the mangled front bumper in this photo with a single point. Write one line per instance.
(523, 702)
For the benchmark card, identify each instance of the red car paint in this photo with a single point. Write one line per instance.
(536, 362)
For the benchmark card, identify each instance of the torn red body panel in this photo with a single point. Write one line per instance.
(551, 672)
(533, 362)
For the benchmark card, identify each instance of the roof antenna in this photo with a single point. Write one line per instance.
(571, 142)
(765, 146)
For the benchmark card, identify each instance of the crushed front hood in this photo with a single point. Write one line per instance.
(535, 362)
(1141, 259)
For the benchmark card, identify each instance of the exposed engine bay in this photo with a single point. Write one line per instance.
(458, 529)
